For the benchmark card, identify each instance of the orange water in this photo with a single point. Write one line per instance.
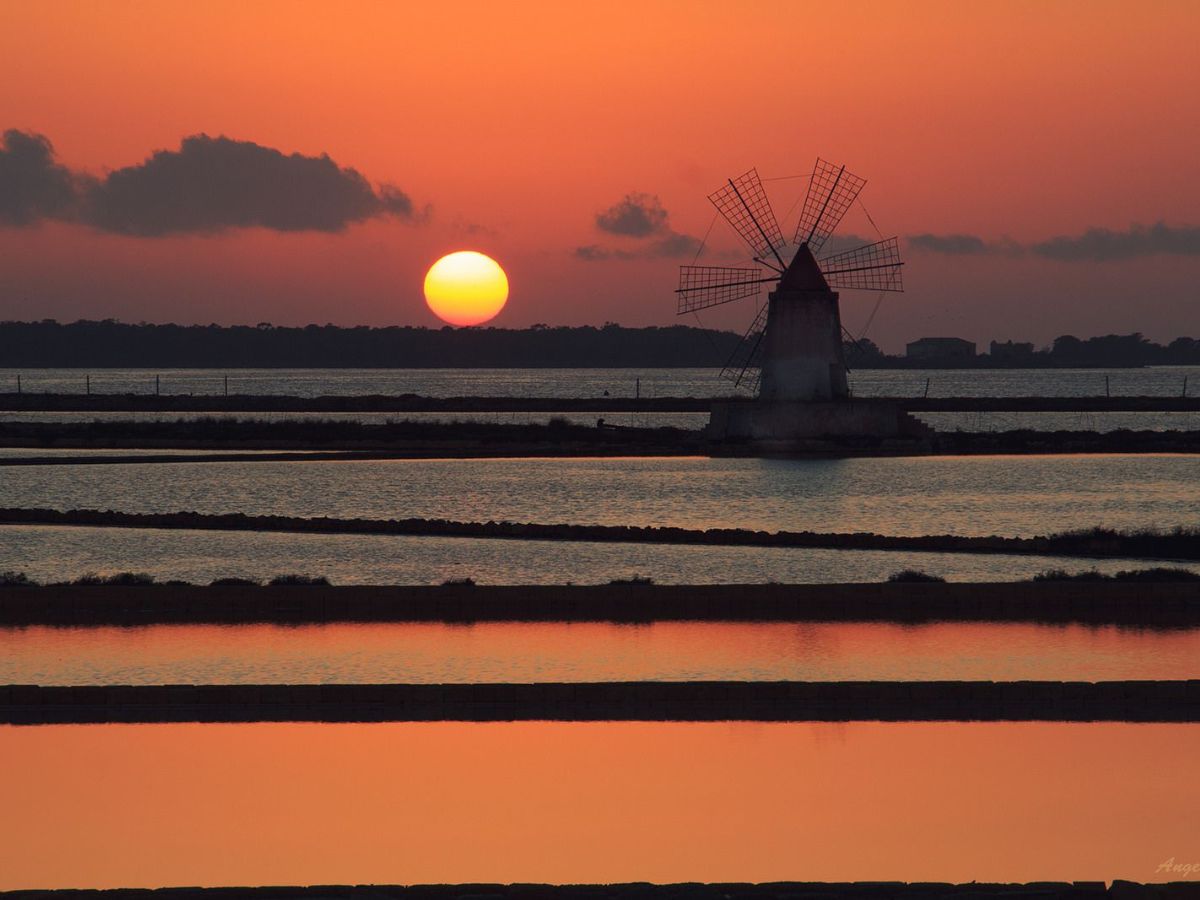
(150, 805)
(589, 651)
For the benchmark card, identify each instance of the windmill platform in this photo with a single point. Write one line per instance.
(782, 425)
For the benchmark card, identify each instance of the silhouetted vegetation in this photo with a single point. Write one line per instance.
(298, 581)
(15, 579)
(110, 343)
(459, 582)
(117, 344)
(1157, 575)
(914, 575)
(119, 579)
(1064, 575)
(235, 582)
(634, 580)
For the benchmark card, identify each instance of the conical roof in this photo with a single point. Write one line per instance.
(803, 273)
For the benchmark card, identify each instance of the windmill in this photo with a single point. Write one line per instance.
(792, 350)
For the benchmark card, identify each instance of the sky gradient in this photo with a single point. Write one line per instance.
(576, 144)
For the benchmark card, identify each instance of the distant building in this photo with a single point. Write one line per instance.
(940, 348)
(1010, 350)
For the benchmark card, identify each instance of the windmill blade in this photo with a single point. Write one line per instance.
(703, 286)
(744, 204)
(831, 191)
(875, 267)
(744, 365)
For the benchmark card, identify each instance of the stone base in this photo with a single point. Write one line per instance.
(780, 422)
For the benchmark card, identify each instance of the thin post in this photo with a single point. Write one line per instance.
(19, 384)
(87, 382)
(155, 385)
(1106, 393)
(1184, 394)
(226, 385)
(637, 389)
(927, 380)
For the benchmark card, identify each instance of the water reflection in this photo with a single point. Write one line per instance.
(526, 652)
(914, 495)
(114, 805)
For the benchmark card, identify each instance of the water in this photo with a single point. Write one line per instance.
(50, 554)
(253, 804)
(975, 495)
(436, 653)
(1164, 381)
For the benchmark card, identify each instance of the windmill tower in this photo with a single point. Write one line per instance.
(791, 355)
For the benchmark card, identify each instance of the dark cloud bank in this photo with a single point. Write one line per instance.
(207, 186)
(643, 218)
(1094, 245)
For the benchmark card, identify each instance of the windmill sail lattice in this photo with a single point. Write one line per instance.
(703, 286)
(744, 204)
(743, 367)
(875, 267)
(831, 192)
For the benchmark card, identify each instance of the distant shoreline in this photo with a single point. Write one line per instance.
(113, 344)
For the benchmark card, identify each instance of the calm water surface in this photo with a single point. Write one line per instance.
(980, 495)
(1157, 381)
(152, 805)
(49, 554)
(587, 651)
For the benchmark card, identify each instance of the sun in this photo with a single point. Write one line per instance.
(466, 288)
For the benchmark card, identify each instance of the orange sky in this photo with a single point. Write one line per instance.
(517, 123)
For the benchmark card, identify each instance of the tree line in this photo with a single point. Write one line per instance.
(110, 343)
(113, 344)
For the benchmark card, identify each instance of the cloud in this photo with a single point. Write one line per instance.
(643, 218)
(1094, 245)
(1102, 245)
(672, 246)
(950, 244)
(635, 215)
(594, 252)
(32, 185)
(207, 186)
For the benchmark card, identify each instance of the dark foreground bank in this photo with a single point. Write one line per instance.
(642, 701)
(892, 890)
(1134, 604)
(408, 403)
(434, 438)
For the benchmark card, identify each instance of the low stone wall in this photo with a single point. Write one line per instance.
(693, 701)
(1045, 890)
(1125, 603)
